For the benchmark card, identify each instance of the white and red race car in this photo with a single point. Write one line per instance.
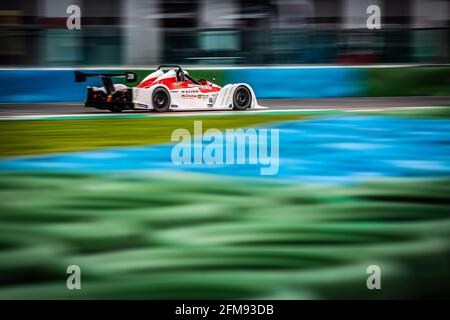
(162, 91)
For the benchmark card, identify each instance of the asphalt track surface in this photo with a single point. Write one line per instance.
(52, 109)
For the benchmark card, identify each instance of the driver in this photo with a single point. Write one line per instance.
(187, 77)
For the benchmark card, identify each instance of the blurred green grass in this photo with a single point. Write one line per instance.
(192, 236)
(442, 112)
(383, 82)
(33, 137)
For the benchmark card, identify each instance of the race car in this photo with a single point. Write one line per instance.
(160, 91)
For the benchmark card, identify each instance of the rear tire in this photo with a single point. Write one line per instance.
(161, 100)
(242, 98)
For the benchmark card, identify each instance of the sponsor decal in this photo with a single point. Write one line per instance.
(189, 96)
(212, 99)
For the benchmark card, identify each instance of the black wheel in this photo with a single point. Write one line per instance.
(242, 98)
(161, 100)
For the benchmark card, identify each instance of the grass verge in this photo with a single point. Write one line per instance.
(22, 137)
(189, 237)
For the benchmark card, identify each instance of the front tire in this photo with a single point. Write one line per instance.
(161, 100)
(242, 98)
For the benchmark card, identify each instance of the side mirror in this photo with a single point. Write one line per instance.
(130, 77)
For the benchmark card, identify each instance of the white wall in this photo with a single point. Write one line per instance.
(293, 13)
(218, 14)
(56, 8)
(431, 13)
(142, 34)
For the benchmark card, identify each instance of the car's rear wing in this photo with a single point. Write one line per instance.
(128, 76)
(106, 78)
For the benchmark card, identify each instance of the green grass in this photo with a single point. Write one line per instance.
(21, 137)
(189, 236)
(436, 112)
(429, 81)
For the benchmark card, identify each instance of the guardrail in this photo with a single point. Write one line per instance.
(58, 85)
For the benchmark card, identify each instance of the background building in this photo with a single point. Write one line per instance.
(234, 32)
